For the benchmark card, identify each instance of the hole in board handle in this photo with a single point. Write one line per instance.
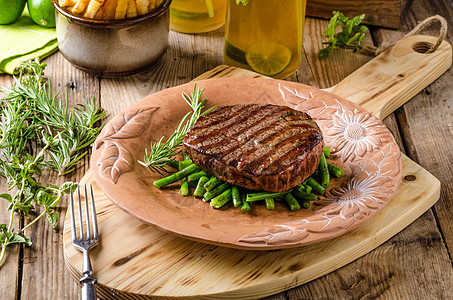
(409, 178)
(422, 47)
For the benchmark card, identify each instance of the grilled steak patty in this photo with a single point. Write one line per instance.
(256, 146)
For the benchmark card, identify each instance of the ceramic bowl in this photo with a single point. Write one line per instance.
(112, 48)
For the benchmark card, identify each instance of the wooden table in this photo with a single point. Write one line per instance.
(414, 264)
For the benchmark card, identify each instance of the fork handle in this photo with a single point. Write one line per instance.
(88, 289)
(88, 281)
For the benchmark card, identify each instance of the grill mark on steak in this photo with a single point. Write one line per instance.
(256, 143)
(285, 156)
(209, 130)
(267, 127)
(234, 134)
(281, 144)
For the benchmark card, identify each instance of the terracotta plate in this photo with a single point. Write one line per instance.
(361, 145)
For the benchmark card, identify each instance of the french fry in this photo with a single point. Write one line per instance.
(80, 6)
(108, 9)
(159, 2)
(66, 3)
(151, 5)
(121, 8)
(131, 9)
(142, 6)
(98, 14)
(93, 8)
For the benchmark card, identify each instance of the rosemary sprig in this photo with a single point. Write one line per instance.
(39, 130)
(162, 154)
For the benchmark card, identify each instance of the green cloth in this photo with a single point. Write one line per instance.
(24, 40)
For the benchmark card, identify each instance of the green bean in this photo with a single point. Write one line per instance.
(245, 205)
(222, 199)
(326, 151)
(325, 176)
(303, 187)
(334, 170)
(176, 176)
(292, 202)
(303, 195)
(216, 191)
(184, 164)
(236, 195)
(270, 204)
(306, 203)
(263, 196)
(315, 185)
(212, 183)
(196, 176)
(184, 190)
(200, 190)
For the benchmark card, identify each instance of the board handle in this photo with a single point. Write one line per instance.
(395, 76)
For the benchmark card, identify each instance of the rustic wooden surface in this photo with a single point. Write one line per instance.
(415, 264)
(387, 13)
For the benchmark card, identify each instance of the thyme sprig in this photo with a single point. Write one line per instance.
(163, 154)
(39, 130)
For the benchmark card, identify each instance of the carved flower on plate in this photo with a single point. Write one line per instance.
(361, 196)
(354, 133)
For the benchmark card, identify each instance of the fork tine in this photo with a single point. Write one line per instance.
(71, 201)
(95, 222)
(80, 215)
(87, 214)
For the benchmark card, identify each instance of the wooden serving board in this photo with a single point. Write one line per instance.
(138, 261)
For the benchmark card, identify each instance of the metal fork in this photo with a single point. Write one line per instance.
(84, 243)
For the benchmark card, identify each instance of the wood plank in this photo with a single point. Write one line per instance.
(45, 276)
(408, 266)
(385, 13)
(427, 120)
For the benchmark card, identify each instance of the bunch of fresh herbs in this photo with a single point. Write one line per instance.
(350, 37)
(39, 130)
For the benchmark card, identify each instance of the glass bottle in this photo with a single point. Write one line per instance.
(265, 36)
(196, 16)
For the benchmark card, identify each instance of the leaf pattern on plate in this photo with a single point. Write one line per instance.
(276, 235)
(355, 137)
(128, 125)
(115, 159)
